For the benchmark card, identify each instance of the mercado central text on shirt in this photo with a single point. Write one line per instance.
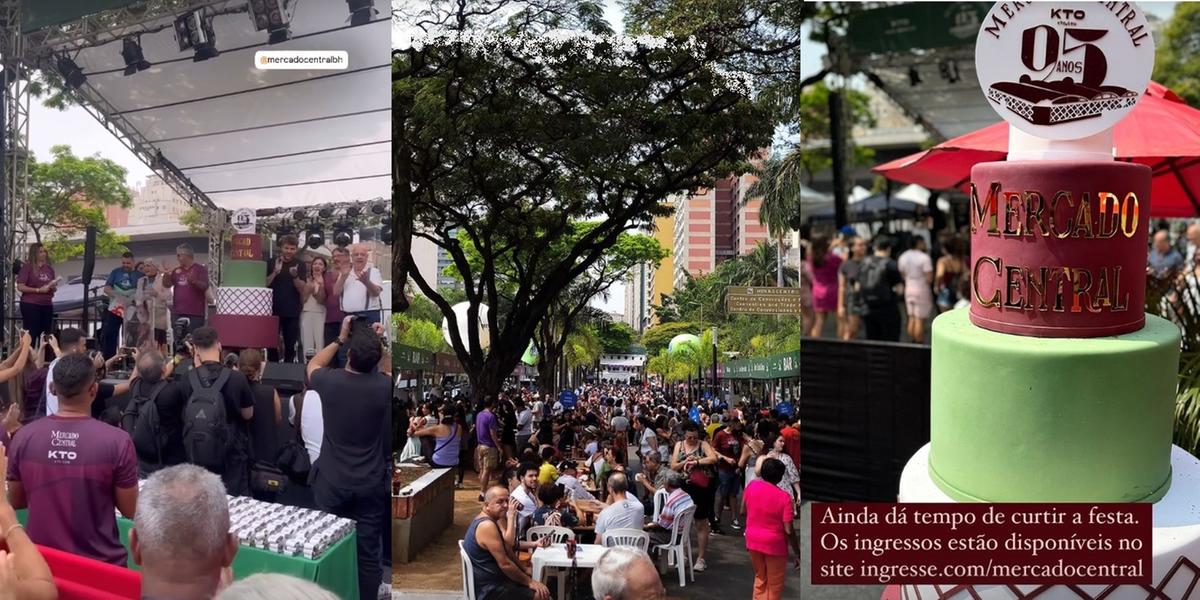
(1028, 214)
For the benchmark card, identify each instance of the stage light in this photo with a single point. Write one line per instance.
(284, 228)
(361, 11)
(194, 31)
(378, 209)
(343, 234)
(313, 237)
(131, 51)
(385, 234)
(268, 15)
(71, 73)
(914, 78)
(325, 213)
(299, 215)
(353, 211)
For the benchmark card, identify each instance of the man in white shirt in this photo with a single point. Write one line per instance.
(569, 479)
(360, 285)
(312, 422)
(526, 494)
(72, 341)
(624, 511)
(524, 425)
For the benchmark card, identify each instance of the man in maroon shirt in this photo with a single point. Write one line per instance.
(71, 471)
(190, 281)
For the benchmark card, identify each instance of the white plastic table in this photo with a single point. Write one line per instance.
(555, 555)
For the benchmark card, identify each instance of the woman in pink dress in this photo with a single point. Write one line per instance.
(823, 265)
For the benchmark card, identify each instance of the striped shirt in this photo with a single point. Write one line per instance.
(676, 503)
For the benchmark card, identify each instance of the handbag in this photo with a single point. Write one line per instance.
(292, 457)
(266, 478)
(699, 477)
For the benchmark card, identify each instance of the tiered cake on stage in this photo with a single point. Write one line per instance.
(1055, 386)
(244, 316)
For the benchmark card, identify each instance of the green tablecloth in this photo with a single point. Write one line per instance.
(336, 570)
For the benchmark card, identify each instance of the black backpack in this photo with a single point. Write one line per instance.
(205, 433)
(874, 288)
(140, 419)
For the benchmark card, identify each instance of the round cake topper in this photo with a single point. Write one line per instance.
(244, 220)
(1064, 71)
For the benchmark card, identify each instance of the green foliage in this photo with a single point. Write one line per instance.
(68, 194)
(616, 337)
(1177, 64)
(512, 144)
(779, 187)
(419, 333)
(583, 347)
(814, 125)
(422, 309)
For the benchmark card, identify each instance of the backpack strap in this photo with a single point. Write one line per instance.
(298, 402)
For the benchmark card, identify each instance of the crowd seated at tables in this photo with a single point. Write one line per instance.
(574, 477)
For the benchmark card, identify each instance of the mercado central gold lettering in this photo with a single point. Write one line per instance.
(1027, 214)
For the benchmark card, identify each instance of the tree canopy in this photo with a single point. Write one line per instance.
(69, 193)
(1177, 64)
(512, 139)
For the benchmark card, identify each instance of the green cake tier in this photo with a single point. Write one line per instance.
(244, 273)
(1026, 419)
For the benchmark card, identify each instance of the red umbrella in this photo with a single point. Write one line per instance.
(1162, 132)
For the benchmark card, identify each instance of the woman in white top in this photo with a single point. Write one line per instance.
(312, 315)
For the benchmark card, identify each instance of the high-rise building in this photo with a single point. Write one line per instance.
(747, 231)
(155, 202)
(637, 297)
(445, 260)
(662, 279)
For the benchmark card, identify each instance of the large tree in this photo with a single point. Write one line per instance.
(67, 195)
(510, 139)
(1177, 64)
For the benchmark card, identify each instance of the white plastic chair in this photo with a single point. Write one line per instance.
(468, 576)
(660, 498)
(635, 538)
(558, 535)
(679, 548)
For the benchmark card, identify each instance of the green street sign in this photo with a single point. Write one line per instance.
(407, 358)
(778, 366)
(916, 25)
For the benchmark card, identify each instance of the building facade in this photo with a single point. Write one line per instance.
(637, 297)
(662, 279)
(622, 367)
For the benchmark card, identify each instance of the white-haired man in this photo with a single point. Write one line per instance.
(181, 536)
(359, 286)
(190, 283)
(624, 573)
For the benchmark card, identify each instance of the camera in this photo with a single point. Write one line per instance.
(181, 331)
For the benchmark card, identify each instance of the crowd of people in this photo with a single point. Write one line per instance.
(193, 426)
(604, 454)
(311, 294)
(876, 288)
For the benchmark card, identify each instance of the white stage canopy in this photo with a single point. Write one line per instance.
(248, 137)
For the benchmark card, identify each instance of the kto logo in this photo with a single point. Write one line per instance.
(1066, 13)
(62, 455)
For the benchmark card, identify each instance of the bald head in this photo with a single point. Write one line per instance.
(1161, 242)
(1193, 233)
(495, 492)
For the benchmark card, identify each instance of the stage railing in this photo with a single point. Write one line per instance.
(864, 411)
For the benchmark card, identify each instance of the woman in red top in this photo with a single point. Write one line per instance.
(37, 284)
(769, 531)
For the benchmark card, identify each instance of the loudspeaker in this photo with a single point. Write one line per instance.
(286, 378)
(89, 255)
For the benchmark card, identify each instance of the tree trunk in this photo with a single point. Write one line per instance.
(779, 262)
(547, 368)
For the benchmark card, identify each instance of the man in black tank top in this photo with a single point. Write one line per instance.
(497, 574)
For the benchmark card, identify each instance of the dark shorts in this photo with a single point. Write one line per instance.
(730, 483)
(506, 590)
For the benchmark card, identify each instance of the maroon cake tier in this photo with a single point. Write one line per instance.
(1058, 249)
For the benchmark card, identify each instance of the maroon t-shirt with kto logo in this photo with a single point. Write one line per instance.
(70, 468)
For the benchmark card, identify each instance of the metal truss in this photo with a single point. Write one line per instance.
(104, 27)
(13, 79)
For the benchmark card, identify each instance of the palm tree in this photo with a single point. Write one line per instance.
(779, 187)
(760, 268)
